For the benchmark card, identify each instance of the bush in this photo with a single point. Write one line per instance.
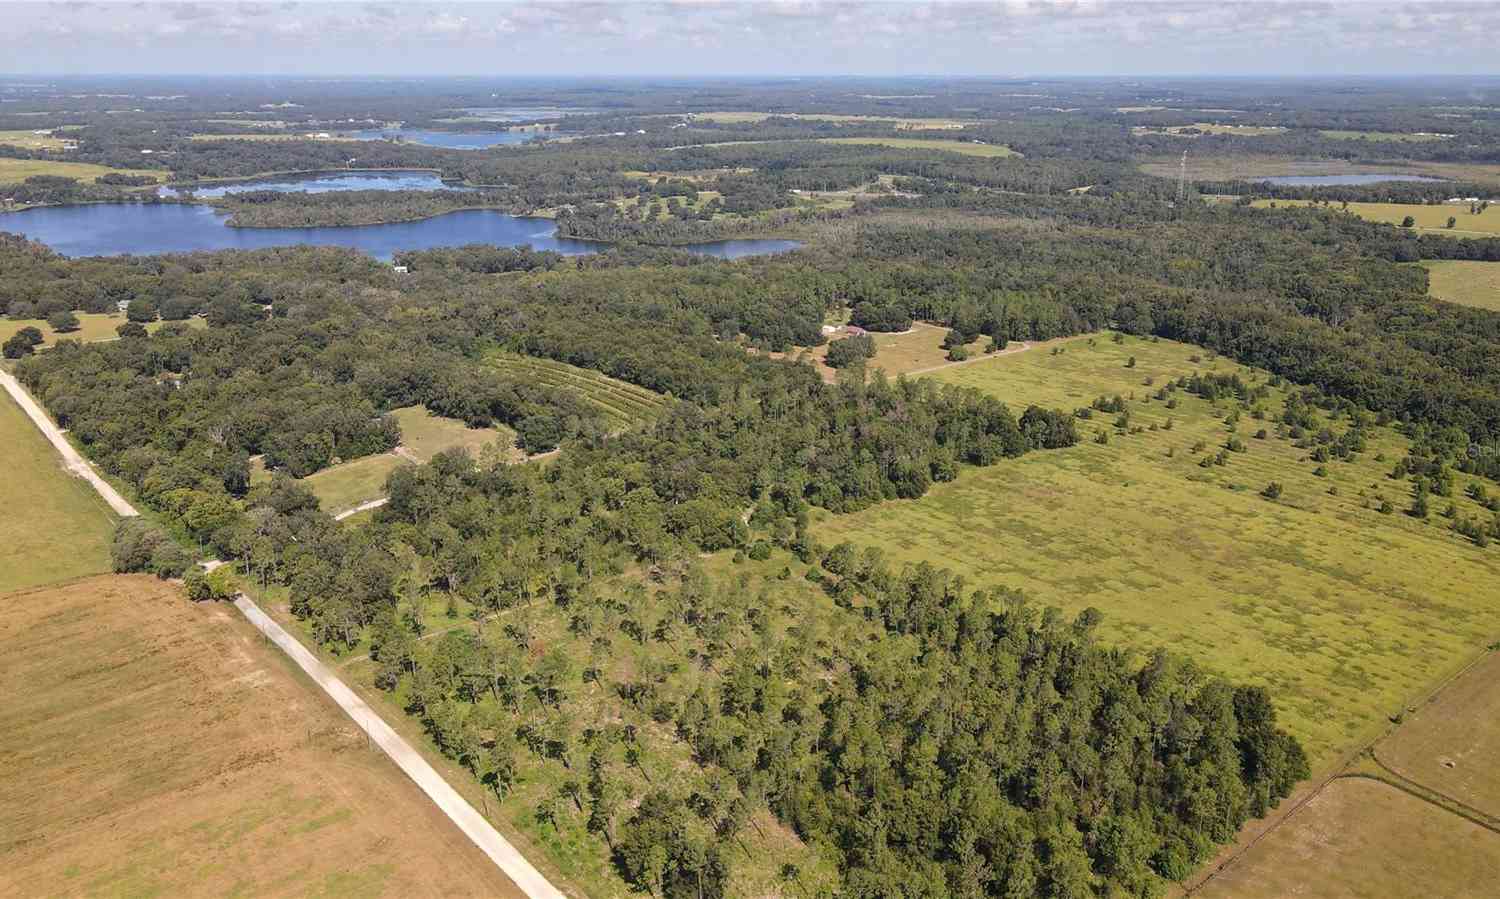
(134, 545)
(958, 354)
(850, 350)
(131, 329)
(16, 347)
(1272, 490)
(204, 586)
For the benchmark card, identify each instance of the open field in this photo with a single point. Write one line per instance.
(1211, 128)
(91, 326)
(967, 148)
(1360, 837)
(55, 526)
(1465, 283)
(1451, 743)
(623, 404)
(30, 140)
(1433, 219)
(901, 124)
(13, 171)
(896, 354)
(261, 136)
(1415, 137)
(423, 435)
(1250, 168)
(154, 747)
(1344, 612)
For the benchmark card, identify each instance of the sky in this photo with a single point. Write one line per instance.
(762, 37)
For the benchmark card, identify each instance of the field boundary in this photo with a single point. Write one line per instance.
(465, 816)
(75, 463)
(1343, 771)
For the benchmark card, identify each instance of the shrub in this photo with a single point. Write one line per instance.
(1272, 490)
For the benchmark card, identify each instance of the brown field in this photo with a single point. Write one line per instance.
(1450, 745)
(918, 349)
(91, 326)
(1360, 837)
(1224, 168)
(152, 747)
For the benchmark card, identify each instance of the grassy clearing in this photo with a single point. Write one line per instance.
(31, 140)
(1465, 283)
(55, 527)
(425, 435)
(14, 171)
(1450, 744)
(1416, 137)
(347, 485)
(262, 137)
(1250, 167)
(1344, 612)
(1361, 837)
(624, 405)
(900, 124)
(1211, 128)
(918, 349)
(155, 747)
(1432, 219)
(966, 148)
(91, 326)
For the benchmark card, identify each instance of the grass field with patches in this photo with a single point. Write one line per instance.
(154, 747)
(91, 326)
(623, 404)
(1360, 837)
(966, 148)
(1251, 167)
(423, 435)
(1414, 137)
(1344, 612)
(55, 526)
(901, 124)
(14, 171)
(1463, 282)
(1432, 219)
(1450, 744)
(1211, 128)
(30, 140)
(896, 353)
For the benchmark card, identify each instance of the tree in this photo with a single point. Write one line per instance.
(1408, 222)
(141, 310)
(1272, 490)
(63, 321)
(1452, 221)
(130, 330)
(16, 347)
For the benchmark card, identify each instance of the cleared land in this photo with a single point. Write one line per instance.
(1248, 167)
(1344, 612)
(156, 747)
(13, 171)
(31, 140)
(1450, 744)
(1432, 219)
(1465, 283)
(91, 326)
(967, 148)
(896, 354)
(55, 526)
(1360, 837)
(423, 435)
(901, 124)
(1211, 128)
(622, 404)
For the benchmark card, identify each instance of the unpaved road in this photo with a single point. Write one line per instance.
(76, 463)
(484, 835)
(362, 507)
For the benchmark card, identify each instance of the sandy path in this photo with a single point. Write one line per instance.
(76, 463)
(484, 835)
(362, 507)
(1022, 347)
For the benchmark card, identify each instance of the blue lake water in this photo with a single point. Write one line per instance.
(1331, 180)
(325, 182)
(113, 229)
(453, 140)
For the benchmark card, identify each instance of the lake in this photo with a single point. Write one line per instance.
(453, 140)
(325, 182)
(113, 229)
(1332, 180)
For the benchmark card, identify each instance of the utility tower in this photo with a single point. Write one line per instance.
(1182, 177)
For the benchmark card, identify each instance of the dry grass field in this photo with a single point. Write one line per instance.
(91, 326)
(1431, 219)
(918, 349)
(1211, 128)
(1415, 137)
(31, 140)
(1344, 612)
(153, 747)
(1465, 283)
(1451, 744)
(1363, 838)
(55, 526)
(901, 124)
(14, 171)
(1250, 167)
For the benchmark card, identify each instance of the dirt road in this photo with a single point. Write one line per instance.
(76, 463)
(484, 835)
